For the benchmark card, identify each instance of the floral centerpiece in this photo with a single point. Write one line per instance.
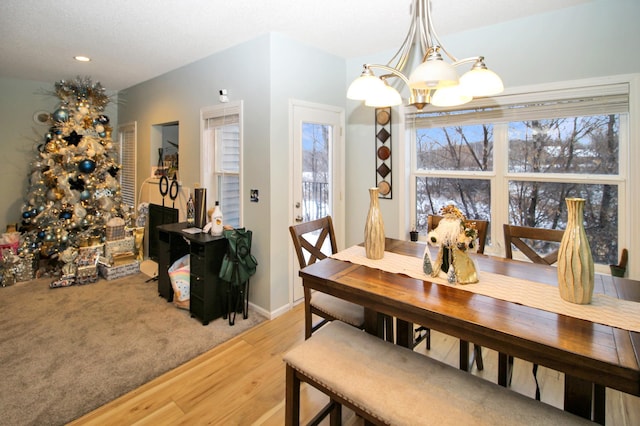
(454, 235)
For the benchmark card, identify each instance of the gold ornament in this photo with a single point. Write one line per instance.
(51, 147)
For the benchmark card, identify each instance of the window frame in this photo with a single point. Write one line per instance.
(210, 155)
(626, 180)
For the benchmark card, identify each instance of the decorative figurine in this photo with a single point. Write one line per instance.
(453, 236)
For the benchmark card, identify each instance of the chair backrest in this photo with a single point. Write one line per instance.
(481, 225)
(515, 235)
(310, 240)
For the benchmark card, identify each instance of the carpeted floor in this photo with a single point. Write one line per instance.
(67, 351)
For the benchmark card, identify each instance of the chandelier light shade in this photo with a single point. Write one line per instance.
(383, 97)
(433, 73)
(480, 81)
(364, 85)
(435, 80)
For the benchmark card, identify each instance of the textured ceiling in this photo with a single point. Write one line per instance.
(131, 41)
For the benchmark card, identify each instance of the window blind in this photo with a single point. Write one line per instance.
(127, 151)
(598, 100)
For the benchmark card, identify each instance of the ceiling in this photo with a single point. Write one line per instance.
(133, 41)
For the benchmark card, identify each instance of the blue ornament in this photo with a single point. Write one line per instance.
(41, 234)
(65, 215)
(85, 195)
(26, 215)
(60, 115)
(103, 119)
(34, 212)
(102, 134)
(87, 166)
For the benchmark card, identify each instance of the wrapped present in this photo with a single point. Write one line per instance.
(115, 229)
(127, 244)
(113, 272)
(87, 262)
(64, 281)
(10, 246)
(123, 258)
(87, 274)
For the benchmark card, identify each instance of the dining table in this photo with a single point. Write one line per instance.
(593, 354)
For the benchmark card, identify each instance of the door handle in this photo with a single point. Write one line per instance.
(298, 218)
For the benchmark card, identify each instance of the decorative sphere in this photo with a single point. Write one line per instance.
(60, 115)
(87, 166)
(103, 119)
(26, 215)
(102, 134)
(41, 234)
(85, 195)
(34, 211)
(65, 215)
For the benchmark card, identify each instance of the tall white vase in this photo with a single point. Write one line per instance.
(374, 228)
(575, 263)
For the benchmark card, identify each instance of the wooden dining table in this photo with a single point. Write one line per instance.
(591, 355)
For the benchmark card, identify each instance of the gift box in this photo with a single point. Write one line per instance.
(87, 262)
(9, 246)
(87, 274)
(115, 229)
(112, 272)
(124, 245)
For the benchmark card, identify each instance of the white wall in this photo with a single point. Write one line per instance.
(265, 73)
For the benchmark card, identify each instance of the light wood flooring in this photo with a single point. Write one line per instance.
(242, 382)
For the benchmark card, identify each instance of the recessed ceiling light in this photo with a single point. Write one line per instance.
(82, 58)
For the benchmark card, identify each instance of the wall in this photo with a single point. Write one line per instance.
(265, 73)
(590, 40)
(21, 135)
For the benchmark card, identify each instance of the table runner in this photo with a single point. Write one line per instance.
(603, 309)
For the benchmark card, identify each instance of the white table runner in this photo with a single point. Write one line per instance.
(603, 309)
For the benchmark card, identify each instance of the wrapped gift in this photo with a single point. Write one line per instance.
(115, 229)
(87, 262)
(123, 258)
(124, 245)
(113, 272)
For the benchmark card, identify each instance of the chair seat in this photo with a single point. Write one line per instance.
(339, 309)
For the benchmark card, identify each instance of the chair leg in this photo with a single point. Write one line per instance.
(292, 398)
(477, 350)
(534, 370)
(246, 301)
(423, 333)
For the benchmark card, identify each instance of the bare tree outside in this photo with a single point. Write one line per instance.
(315, 170)
(562, 151)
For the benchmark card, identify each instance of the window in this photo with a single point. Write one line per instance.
(221, 153)
(127, 135)
(515, 158)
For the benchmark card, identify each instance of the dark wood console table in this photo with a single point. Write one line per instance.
(207, 293)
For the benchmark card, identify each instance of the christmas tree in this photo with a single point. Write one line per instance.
(73, 184)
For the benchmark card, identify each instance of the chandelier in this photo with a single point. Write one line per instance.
(434, 81)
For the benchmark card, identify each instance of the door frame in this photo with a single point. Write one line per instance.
(338, 181)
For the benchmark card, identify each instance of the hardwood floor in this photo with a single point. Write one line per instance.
(242, 381)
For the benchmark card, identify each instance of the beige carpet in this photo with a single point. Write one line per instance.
(67, 351)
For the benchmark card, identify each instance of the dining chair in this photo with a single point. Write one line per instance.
(423, 332)
(313, 241)
(540, 245)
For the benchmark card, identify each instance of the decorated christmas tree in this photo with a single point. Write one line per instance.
(73, 184)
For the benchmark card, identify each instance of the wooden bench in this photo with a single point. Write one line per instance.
(388, 384)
